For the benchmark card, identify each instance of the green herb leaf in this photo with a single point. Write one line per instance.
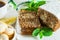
(39, 4)
(32, 5)
(41, 34)
(47, 31)
(35, 32)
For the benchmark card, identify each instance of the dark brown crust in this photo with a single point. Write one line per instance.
(27, 31)
(57, 26)
(48, 18)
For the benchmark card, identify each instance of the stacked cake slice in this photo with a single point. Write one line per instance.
(48, 19)
(28, 21)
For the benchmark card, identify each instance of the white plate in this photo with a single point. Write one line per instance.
(53, 7)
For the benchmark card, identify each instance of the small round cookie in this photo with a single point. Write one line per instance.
(3, 27)
(10, 32)
(4, 37)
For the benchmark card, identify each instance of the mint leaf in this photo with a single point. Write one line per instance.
(47, 31)
(35, 32)
(39, 3)
(41, 34)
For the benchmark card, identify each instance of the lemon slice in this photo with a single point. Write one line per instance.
(10, 20)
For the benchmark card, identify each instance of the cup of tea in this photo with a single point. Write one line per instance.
(3, 8)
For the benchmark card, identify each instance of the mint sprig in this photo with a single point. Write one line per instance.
(45, 31)
(41, 34)
(35, 32)
(33, 6)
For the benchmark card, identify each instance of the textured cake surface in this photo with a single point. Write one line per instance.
(48, 18)
(28, 21)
